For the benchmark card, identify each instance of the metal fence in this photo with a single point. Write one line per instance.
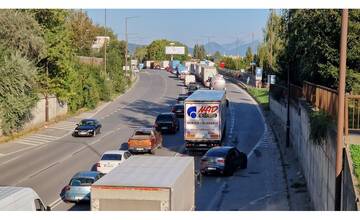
(352, 113)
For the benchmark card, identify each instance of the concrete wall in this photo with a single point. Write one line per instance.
(56, 109)
(317, 161)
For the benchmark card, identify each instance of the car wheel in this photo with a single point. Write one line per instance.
(243, 160)
(94, 133)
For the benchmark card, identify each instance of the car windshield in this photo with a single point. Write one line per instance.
(87, 122)
(164, 118)
(111, 157)
(81, 181)
(142, 132)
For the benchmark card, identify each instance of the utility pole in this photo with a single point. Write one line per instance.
(126, 40)
(288, 90)
(105, 45)
(341, 106)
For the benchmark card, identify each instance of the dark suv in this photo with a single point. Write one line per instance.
(167, 122)
(224, 160)
(178, 110)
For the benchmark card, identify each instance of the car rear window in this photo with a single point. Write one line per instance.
(111, 157)
(81, 181)
(142, 132)
(87, 123)
(216, 153)
(164, 118)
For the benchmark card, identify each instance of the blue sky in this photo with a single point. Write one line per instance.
(189, 26)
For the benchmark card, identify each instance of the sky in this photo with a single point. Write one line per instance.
(188, 26)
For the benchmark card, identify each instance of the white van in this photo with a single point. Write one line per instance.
(20, 199)
(189, 79)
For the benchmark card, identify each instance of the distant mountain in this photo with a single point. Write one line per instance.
(132, 47)
(234, 48)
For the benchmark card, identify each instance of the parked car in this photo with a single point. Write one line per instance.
(181, 98)
(87, 127)
(224, 160)
(78, 188)
(111, 159)
(167, 122)
(144, 140)
(192, 87)
(178, 110)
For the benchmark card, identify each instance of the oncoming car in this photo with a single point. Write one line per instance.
(87, 127)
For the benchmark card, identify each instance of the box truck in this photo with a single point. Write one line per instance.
(189, 79)
(147, 183)
(205, 119)
(206, 74)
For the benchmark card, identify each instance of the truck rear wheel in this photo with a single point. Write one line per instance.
(243, 160)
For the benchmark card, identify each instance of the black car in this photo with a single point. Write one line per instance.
(167, 122)
(192, 87)
(178, 110)
(224, 160)
(87, 127)
(181, 98)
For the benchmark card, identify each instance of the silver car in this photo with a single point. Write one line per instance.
(79, 186)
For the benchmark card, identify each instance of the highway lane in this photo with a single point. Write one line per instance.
(49, 168)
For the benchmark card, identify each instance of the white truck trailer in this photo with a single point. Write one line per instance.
(218, 82)
(143, 183)
(207, 73)
(205, 119)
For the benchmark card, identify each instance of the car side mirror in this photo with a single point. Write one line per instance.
(48, 208)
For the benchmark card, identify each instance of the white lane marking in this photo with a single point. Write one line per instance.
(8, 161)
(2, 155)
(27, 143)
(45, 136)
(37, 139)
(262, 119)
(32, 141)
(56, 203)
(215, 200)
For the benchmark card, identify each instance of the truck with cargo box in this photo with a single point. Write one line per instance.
(207, 73)
(147, 183)
(205, 119)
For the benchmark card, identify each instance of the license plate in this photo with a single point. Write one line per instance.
(211, 168)
(82, 132)
(163, 127)
(139, 148)
(179, 111)
(203, 145)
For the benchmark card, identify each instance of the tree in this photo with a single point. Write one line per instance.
(140, 53)
(249, 57)
(217, 56)
(17, 93)
(156, 50)
(199, 52)
(272, 45)
(20, 31)
(312, 47)
(83, 32)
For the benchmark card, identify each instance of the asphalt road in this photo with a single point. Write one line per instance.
(48, 167)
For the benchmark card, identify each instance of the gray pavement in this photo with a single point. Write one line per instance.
(48, 159)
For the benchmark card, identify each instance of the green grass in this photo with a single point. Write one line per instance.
(355, 156)
(261, 95)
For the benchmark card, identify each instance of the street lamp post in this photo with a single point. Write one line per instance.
(341, 108)
(126, 40)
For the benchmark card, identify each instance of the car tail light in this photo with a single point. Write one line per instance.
(67, 188)
(220, 160)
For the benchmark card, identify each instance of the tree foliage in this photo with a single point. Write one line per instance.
(311, 47)
(140, 53)
(156, 50)
(199, 52)
(17, 93)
